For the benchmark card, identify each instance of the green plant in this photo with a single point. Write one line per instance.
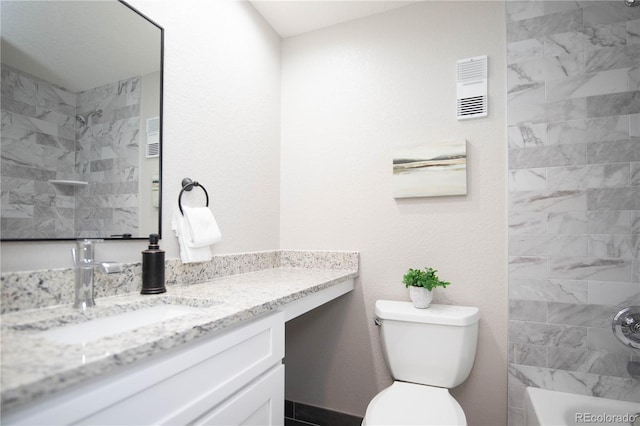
(427, 279)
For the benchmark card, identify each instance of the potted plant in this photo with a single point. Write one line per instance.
(421, 283)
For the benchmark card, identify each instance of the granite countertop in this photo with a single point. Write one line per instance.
(33, 366)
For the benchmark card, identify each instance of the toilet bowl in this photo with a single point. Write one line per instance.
(411, 404)
(428, 351)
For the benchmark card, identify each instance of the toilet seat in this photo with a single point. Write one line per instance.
(412, 404)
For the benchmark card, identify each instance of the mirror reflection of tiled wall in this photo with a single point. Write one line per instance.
(42, 140)
(574, 195)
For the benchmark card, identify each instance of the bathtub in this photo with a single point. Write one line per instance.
(551, 408)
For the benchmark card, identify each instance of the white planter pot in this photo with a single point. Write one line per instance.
(420, 296)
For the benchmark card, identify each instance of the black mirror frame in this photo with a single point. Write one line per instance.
(161, 138)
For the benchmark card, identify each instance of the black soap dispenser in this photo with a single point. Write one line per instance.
(153, 268)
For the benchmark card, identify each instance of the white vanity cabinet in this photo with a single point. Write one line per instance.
(234, 377)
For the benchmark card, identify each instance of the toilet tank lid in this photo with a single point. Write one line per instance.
(434, 314)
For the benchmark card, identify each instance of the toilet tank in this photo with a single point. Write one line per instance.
(435, 346)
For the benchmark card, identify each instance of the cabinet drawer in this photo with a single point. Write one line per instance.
(175, 387)
(260, 404)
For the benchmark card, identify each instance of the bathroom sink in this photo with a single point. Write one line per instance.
(98, 328)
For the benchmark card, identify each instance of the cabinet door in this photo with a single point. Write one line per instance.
(261, 403)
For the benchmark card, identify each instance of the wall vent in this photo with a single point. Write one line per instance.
(153, 137)
(472, 100)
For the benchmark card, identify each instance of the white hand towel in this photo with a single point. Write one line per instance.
(188, 254)
(201, 228)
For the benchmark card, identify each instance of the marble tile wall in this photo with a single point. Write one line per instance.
(108, 159)
(42, 140)
(38, 144)
(573, 81)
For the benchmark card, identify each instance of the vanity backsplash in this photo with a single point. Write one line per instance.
(39, 289)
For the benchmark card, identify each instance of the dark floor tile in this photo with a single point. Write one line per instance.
(323, 417)
(292, 422)
(288, 409)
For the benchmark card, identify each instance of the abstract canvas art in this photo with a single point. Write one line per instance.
(430, 170)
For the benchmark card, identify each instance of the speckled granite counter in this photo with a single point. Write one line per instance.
(33, 366)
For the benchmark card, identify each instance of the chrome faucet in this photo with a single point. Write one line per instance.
(84, 264)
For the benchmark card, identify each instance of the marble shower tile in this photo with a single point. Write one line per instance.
(623, 151)
(527, 310)
(613, 293)
(524, 73)
(527, 179)
(568, 291)
(16, 211)
(634, 125)
(10, 105)
(566, 110)
(563, 66)
(527, 135)
(610, 58)
(614, 198)
(548, 334)
(619, 388)
(527, 267)
(613, 246)
(539, 112)
(547, 156)
(586, 268)
(544, 25)
(516, 398)
(573, 222)
(633, 32)
(635, 174)
(30, 123)
(598, 83)
(526, 94)
(518, 10)
(613, 104)
(603, 36)
(635, 222)
(548, 245)
(570, 132)
(609, 13)
(594, 176)
(546, 378)
(548, 201)
(525, 50)
(527, 223)
(515, 415)
(532, 355)
(583, 315)
(551, 7)
(532, 113)
(608, 128)
(602, 339)
(634, 78)
(609, 222)
(587, 361)
(565, 43)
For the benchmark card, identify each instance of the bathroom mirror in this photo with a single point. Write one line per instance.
(81, 121)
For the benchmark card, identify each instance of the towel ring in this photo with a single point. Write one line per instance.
(187, 185)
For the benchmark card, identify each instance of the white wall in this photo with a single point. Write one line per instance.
(350, 93)
(221, 128)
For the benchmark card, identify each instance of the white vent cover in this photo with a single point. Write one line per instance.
(472, 88)
(153, 137)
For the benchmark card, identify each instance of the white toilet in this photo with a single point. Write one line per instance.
(428, 352)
